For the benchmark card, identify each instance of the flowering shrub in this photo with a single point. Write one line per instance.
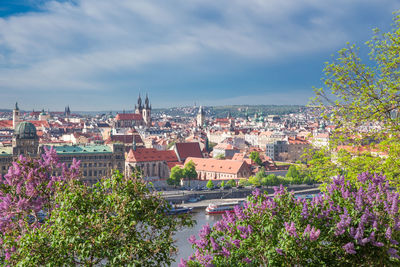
(48, 220)
(26, 191)
(350, 224)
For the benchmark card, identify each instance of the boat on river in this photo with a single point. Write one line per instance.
(179, 210)
(222, 208)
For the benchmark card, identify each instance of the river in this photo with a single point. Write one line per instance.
(184, 247)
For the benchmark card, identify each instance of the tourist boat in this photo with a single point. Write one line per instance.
(179, 210)
(222, 208)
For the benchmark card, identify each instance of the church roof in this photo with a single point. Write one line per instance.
(129, 116)
(25, 130)
(151, 154)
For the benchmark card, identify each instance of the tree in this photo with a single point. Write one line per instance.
(254, 180)
(189, 171)
(222, 184)
(210, 184)
(171, 144)
(255, 157)
(243, 182)
(363, 100)
(115, 222)
(348, 225)
(231, 183)
(177, 173)
(220, 156)
(261, 173)
(292, 172)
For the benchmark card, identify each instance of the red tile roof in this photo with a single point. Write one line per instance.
(185, 150)
(216, 165)
(128, 117)
(151, 154)
(6, 123)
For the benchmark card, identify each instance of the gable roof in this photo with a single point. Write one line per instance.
(151, 154)
(190, 149)
(216, 165)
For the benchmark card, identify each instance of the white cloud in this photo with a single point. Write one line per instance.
(71, 46)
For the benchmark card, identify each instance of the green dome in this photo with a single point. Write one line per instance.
(25, 130)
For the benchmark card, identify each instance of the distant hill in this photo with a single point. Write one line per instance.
(235, 110)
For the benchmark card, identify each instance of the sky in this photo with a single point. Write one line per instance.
(100, 54)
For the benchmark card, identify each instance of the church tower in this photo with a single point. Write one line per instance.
(146, 113)
(16, 118)
(200, 117)
(139, 107)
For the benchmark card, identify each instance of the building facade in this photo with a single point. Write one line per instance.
(96, 160)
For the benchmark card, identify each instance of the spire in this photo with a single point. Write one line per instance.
(229, 114)
(16, 106)
(139, 102)
(146, 102)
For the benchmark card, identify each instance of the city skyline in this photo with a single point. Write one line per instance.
(98, 55)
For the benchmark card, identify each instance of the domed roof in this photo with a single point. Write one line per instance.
(25, 130)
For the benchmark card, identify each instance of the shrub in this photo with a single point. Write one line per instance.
(349, 225)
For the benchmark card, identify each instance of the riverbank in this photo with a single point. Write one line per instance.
(206, 202)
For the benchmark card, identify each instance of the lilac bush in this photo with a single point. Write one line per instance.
(349, 224)
(26, 196)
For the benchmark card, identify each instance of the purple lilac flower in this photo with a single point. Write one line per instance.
(279, 251)
(238, 212)
(236, 242)
(388, 233)
(247, 260)
(256, 193)
(214, 244)
(192, 239)
(349, 247)
(393, 253)
(205, 231)
(314, 234)
(378, 244)
(201, 243)
(182, 263)
(225, 252)
(291, 228)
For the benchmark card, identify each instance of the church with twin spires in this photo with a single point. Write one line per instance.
(141, 117)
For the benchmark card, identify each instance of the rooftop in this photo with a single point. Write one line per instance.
(89, 149)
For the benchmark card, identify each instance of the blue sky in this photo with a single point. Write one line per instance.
(98, 54)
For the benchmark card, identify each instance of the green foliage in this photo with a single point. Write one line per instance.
(292, 172)
(171, 144)
(189, 171)
(243, 182)
(210, 184)
(255, 157)
(211, 146)
(320, 165)
(358, 95)
(223, 184)
(254, 180)
(351, 224)
(177, 173)
(116, 223)
(231, 183)
(220, 156)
